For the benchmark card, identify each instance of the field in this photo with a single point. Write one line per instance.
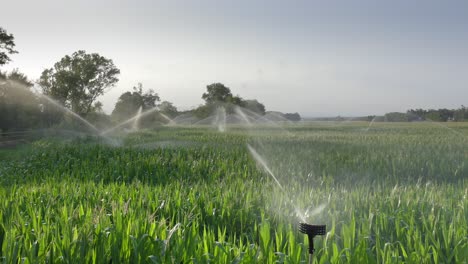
(391, 193)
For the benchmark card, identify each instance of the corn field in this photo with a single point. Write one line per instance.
(391, 193)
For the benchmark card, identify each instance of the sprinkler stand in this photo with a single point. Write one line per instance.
(311, 231)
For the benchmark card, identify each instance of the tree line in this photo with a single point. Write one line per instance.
(77, 80)
(436, 115)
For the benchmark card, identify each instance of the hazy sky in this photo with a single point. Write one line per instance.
(312, 57)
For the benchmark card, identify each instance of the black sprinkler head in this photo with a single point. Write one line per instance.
(311, 231)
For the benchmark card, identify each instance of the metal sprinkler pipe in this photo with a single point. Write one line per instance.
(311, 231)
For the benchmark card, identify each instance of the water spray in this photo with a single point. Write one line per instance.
(136, 123)
(311, 231)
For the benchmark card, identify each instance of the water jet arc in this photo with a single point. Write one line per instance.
(68, 111)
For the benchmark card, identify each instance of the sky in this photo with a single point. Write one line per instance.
(318, 58)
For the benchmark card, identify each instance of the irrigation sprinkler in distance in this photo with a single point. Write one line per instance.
(311, 231)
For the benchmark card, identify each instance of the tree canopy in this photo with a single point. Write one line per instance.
(254, 106)
(168, 109)
(218, 93)
(439, 115)
(77, 80)
(129, 103)
(19, 106)
(7, 45)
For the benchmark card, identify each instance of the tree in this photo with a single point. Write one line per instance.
(293, 116)
(433, 115)
(446, 114)
(7, 46)
(149, 98)
(236, 100)
(129, 103)
(416, 114)
(461, 114)
(203, 111)
(217, 92)
(254, 106)
(19, 106)
(77, 80)
(369, 118)
(218, 95)
(396, 117)
(168, 109)
(98, 117)
(20, 78)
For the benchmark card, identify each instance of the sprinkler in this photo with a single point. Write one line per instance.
(311, 231)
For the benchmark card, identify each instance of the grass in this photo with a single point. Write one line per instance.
(394, 193)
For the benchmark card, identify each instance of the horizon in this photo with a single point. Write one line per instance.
(329, 59)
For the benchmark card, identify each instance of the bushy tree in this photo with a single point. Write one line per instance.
(446, 114)
(293, 116)
(217, 92)
(461, 114)
(254, 106)
(19, 106)
(204, 111)
(416, 114)
(98, 117)
(168, 109)
(7, 45)
(77, 80)
(129, 103)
